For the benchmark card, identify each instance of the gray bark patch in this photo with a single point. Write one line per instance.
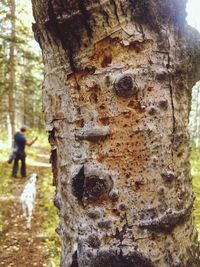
(168, 221)
(92, 133)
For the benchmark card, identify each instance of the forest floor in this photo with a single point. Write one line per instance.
(19, 246)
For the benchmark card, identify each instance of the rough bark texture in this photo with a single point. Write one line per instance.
(117, 89)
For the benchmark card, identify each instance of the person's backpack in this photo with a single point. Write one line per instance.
(12, 155)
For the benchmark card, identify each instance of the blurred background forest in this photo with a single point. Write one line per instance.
(21, 69)
(194, 125)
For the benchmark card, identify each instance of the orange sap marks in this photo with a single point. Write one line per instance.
(125, 164)
(106, 61)
(93, 93)
(138, 47)
(110, 105)
(79, 123)
(123, 156)
(124, 151)
(105, 120)
(82, 73)
(94, 89)
(136, 105)
(104, 52)
(109, 50)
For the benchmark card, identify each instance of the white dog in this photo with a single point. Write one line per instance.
(27, 198)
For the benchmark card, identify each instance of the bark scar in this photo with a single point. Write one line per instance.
(172, 100)
(173, 110)
(85, 16)
(168, 221)
(58, 33)
(115, 9)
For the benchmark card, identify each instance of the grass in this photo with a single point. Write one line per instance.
(51, 239)
(195, 164)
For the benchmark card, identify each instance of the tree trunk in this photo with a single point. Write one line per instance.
(3, 103)
(197, 133)
(117, 91)
(9, 131)
(11, 99)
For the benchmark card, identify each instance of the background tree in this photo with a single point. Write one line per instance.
(118, 79)
(20, 68)
(11, 65)
(194, 125)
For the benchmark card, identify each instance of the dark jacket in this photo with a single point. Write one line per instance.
(19, 144)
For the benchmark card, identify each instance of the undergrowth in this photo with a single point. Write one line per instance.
(195, 166)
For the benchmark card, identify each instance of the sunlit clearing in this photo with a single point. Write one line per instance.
(35, 163)
(193, 18)
(27, 18)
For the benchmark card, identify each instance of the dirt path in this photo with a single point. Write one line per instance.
(19, 246)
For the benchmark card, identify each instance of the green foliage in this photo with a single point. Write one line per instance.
(27, 65)
(51, 240)
(195, 163)
(42, 136)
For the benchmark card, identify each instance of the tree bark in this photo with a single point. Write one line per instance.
(117, 92)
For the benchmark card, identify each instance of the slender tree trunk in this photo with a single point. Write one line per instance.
(12, 66)
(117, 90)
(9, 130)
(197, 132)
(2, 83)
(25, 97)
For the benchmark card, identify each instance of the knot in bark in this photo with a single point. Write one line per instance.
(91, 185)
(168, 176)
(125, 86)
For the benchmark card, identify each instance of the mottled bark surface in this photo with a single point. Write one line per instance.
(118, 79)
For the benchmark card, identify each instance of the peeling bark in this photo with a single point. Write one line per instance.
(117, 90)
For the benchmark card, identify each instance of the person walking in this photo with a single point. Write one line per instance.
(20, 143)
